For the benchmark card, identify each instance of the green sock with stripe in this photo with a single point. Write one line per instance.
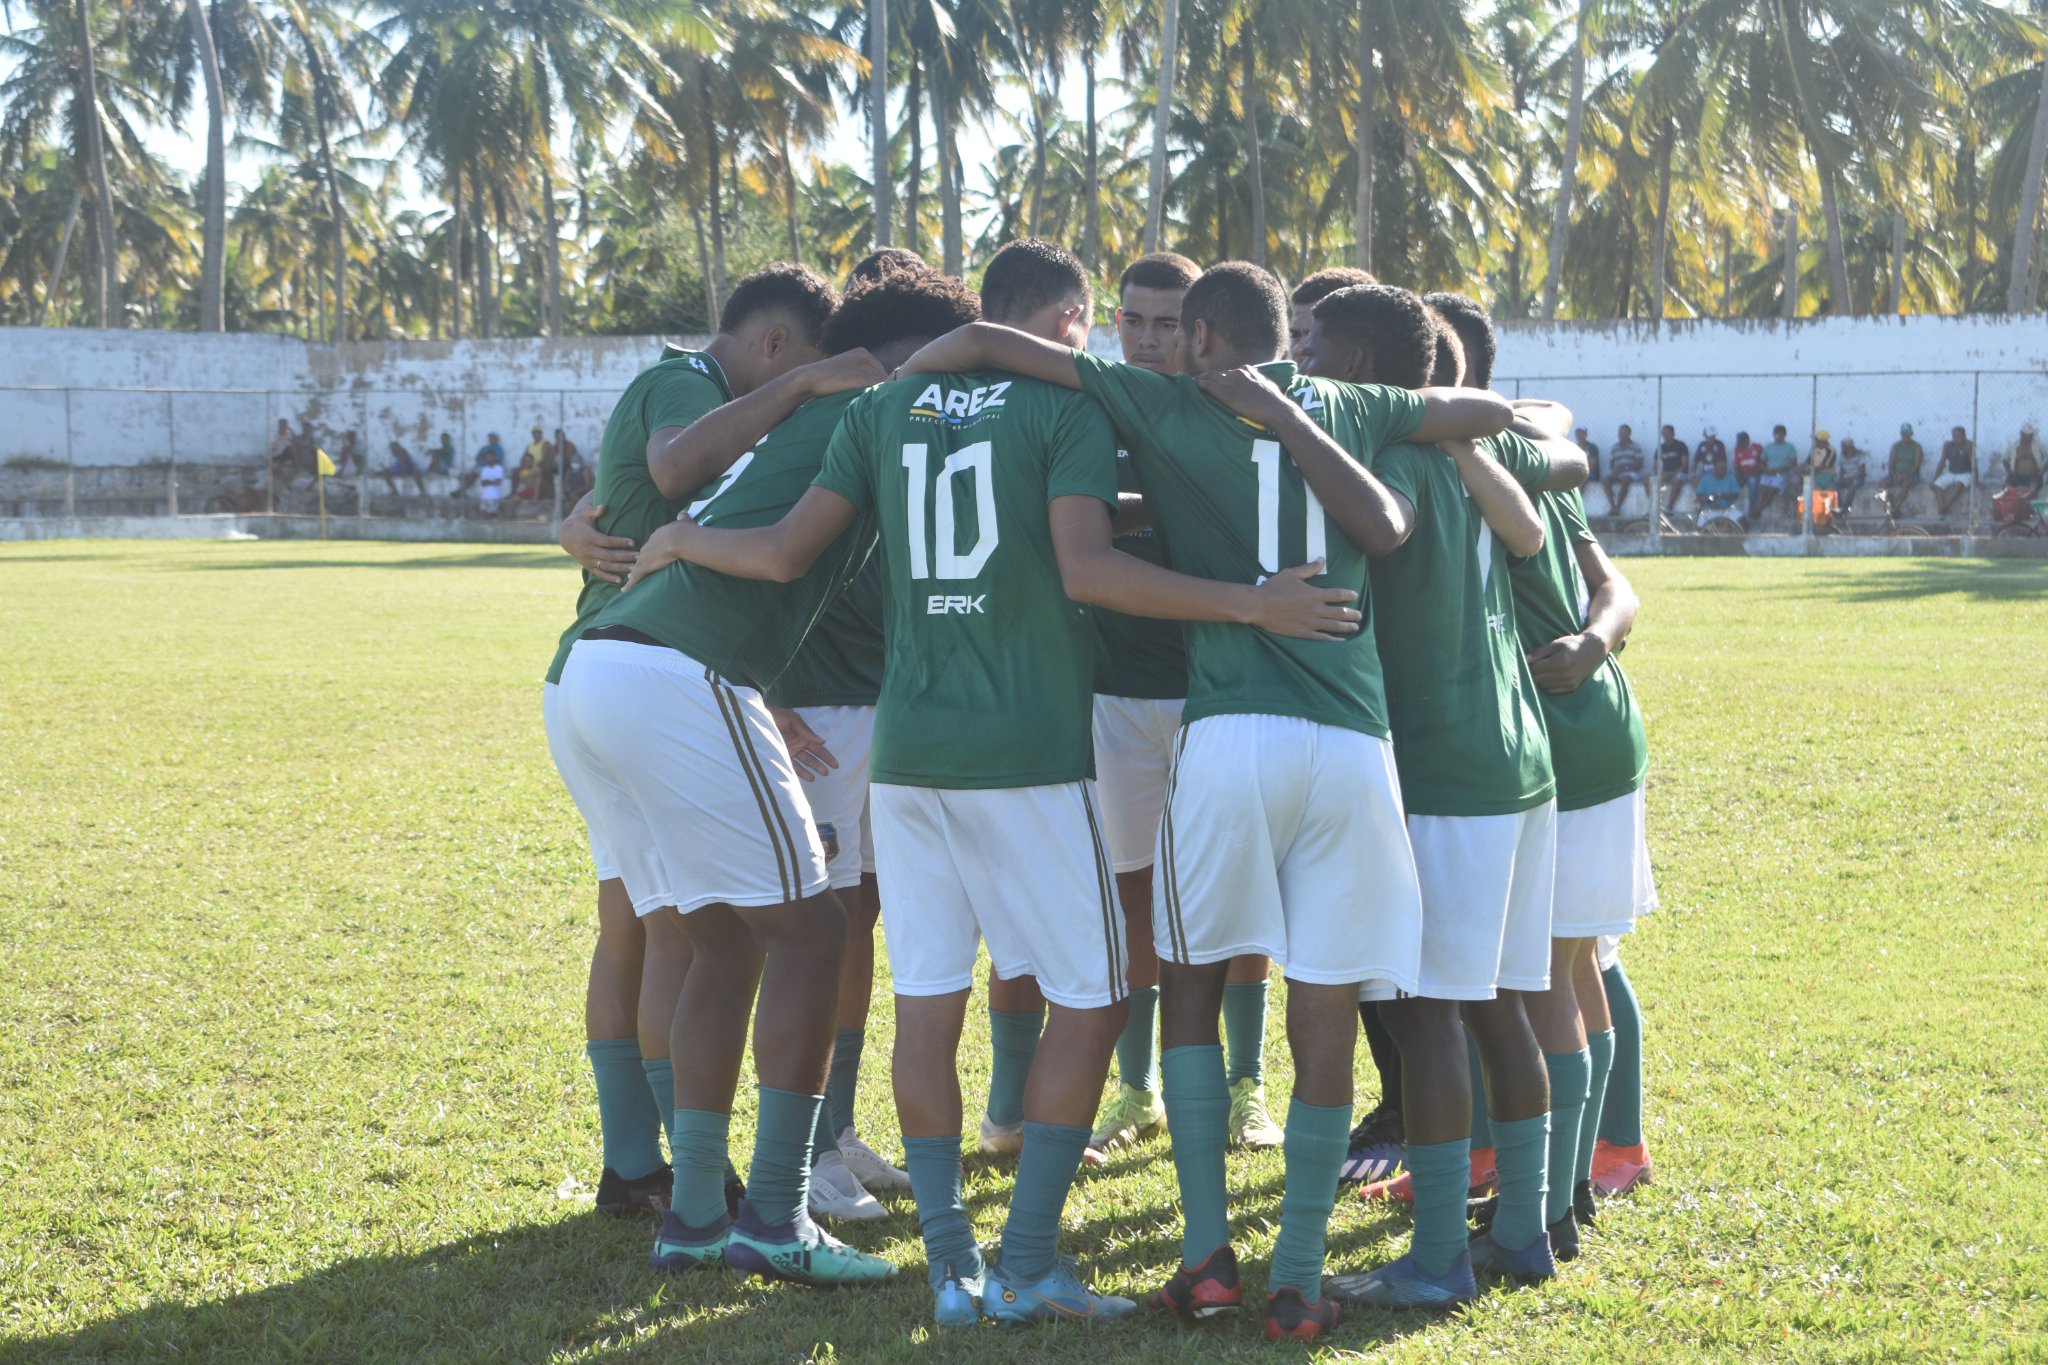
(1013, 1042)
(1244, 1030)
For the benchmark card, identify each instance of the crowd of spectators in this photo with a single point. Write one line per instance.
(488, 484)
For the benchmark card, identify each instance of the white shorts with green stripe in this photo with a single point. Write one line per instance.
(1284, 837)
(683, 780)
(1024, 868)
(839, 798)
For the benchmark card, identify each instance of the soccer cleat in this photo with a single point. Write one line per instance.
(1291, 1317)
(1060, 1295)
(1585, 1208)
(646, 1197)
(836, 1194)
(1250, 1124)
(1201, 1292)
(1563, 1236)
(1130, 1118)
(956, 1301)
(1378, 1146)
(678, 1247)
(1404, 1284)
(799, 1251)
(735, 1191)
(1617, 1170)
(868, 1166)
(1532, 1262)
(1001, 1139)
(1401, 1188)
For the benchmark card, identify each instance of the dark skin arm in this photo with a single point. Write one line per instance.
(1563, 664)
(779, 553)
(1499, 498)
(684, 459)
(604, 556)
(1461, 414)
(992, 346)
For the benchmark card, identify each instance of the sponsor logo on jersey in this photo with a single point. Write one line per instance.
(957, 407)
(944, 604)
(1305, 394)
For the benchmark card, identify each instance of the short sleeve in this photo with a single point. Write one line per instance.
(1132, 396)
(679, 397)
(848, 468)
(1386, 414)
(1522, 458)
(1083, 450)
(1400, 468)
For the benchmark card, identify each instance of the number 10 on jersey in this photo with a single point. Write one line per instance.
(932, 535)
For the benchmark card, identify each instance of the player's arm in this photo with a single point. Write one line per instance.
(778, 553)
(1537, 418)
(992, 346)
(604, 556)
(684, 459)
(1094, 571)
(1562, 665)
(1568, 465)
(1373, 516)
(1460, 414)
(1498, 497)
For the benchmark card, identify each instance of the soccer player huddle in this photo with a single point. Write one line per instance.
(1146, 675)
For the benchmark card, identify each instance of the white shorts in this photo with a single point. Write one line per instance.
(682, 776)
(1486, 888)
(1609, 951)
(1951, 479)
(1284, 837)
(558, 749)
(1133, 750)
(1603, 869)
(1023, 867)
(840, 797)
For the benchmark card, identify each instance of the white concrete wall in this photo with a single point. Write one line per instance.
(140, 396)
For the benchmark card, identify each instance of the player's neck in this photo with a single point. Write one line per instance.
(726, 350)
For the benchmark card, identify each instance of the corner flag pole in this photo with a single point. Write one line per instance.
(322, 467)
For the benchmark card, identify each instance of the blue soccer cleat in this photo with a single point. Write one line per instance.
(956, 1298)
(1533, 1262)
(1059, 1295)
(799, 1251)
(678, 1247)
(1405, 1284)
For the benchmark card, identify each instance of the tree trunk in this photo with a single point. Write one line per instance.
(456, 243)
(1789, 304)
(1367, 98)
(107, 296)
(1898, 262)
(1091, 214)
(704, 264)
(1162, 119)
(913, 113)
(1568, 172)
(1660, 255)
(717, 223)
(338, 227)
(551, 304)
(214, 234)
(1251, 137)
(949, 182)
(796, 246)
(1036, 219)
(63, 250)
(2026, 261)
(1966, 159)
(1727, 273)
(878, 112)
(1842, 305)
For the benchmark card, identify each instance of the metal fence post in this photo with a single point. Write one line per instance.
(1976, 445)
(171, 438)
(70, 467)
(1657, 481)
(270, 474)
(561, 460)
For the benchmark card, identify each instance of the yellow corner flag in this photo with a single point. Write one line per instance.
(326, 465)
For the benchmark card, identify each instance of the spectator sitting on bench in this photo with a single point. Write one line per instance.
(490, 483)
(1585, 443)
(441, 458)
(1749, 467)
(1672, 455)
(1709, 448)
(2023, 466)
(278, 454)
(491, 452)
(1718, 489)
(402, 467)
(1625, 466)
(1821, 460)
(1907, 458)
(1852, 471)
(1956, 473)
(350, 453)
(1781, 461)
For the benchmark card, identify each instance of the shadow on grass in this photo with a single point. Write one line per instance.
(1986, 580)
(481, 559)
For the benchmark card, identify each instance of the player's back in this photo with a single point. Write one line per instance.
(988, 674)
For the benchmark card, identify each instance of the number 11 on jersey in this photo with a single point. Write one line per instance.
(1267, 455)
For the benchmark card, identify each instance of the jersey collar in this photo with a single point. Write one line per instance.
(671, 351)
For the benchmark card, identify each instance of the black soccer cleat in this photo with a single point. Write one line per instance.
(643, 1197)
(1585, 1207)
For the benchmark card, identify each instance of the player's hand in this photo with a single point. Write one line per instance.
(854, 369)
(607, 557)
(662, 549)
(812, 759)
(1288, 604)
(1245, 392)
(1562, 665)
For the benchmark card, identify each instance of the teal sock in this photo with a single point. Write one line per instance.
(822, 1140)
(1198, 1116)
(1521, 1149)
(626, 1116)
(780, 1182)
(700, 1166)
(1013, 1040)
(1045, 1172)
(1442, 1171)
(1134, 1045)
(1621, 1117)
(1571, 1076)
(1244, 1029)
(1482, 1125)
(934, 1166)
(844, 1079)
(1600, 1047)
(659, 1076)
(1317, 1136)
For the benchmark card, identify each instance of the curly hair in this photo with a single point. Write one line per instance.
(797, 290)
(1390, 325)
(1324, 283)
(1243, 304)
(1159, 270)
(1028, 274)
(1475, 334)
(883, 262)
(900, 307)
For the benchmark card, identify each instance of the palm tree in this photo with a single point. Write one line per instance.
(2022, 288)
(1162, 119)
(1568, 170)
(878, 113)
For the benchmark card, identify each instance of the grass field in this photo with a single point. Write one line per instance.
(295, 920)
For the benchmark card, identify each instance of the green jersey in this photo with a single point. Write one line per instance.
(1138, 656)
(1468, 734)
(1230, 505)
(1596, 732)
(673, 392)
(989, 665)
(743, 628)
(840, 663)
